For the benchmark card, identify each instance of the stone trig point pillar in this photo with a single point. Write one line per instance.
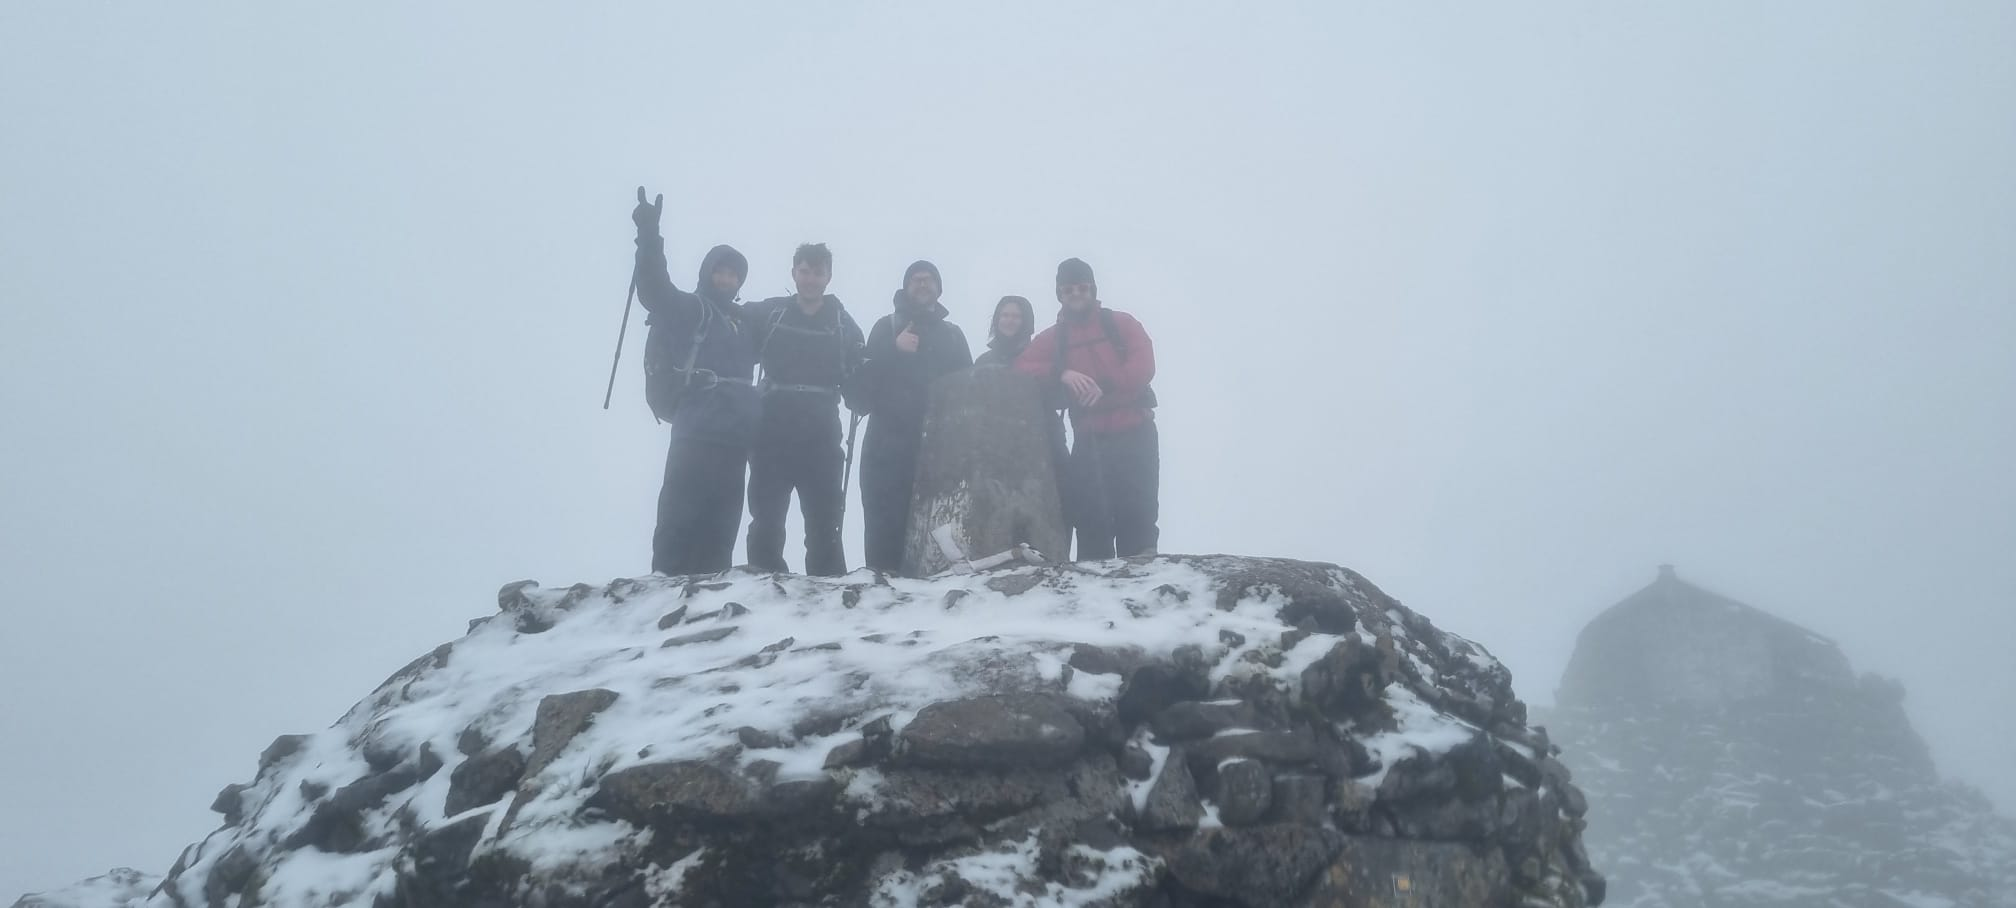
(985, 478)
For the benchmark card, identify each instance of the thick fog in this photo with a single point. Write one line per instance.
(305, 318)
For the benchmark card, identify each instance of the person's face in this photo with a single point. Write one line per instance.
(922, 288)
(1077, 297)
(811, 279)
(727, 282)
(1008, 321)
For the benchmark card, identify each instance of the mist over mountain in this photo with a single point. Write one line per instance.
(1736, 759)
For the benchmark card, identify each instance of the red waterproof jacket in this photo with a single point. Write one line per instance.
(1123, 380)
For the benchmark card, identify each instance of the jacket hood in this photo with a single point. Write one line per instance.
(1009, 345)
(907, 310)
(723, 256)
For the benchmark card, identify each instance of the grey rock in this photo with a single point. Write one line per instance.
(1351, 804)
(1448, 819)
(1258, 866)
(707, 636)
(1393, 873)
(1245, 791)
(1099, 660)
(1191, 719)
(229, 875)
(674, 794)
(1172, 802)
(1272, 746)
(230, 803)
(337, 823)
(1010, 730)
(282, 747)
(1349, 681)
(851, 753)
(1299, 798)
(439, 861)
(472, 741)
(1418, 777)
(1480, 775)
(559, 719)
(918, 797)
(758, 739)
(1154, 687)
(1136, 763)
(483, 779)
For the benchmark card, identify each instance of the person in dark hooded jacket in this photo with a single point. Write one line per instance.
(699, 375)
(808, 345)
(906, 350)
(1014, 323)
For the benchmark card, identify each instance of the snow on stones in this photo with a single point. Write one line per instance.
(1110, 734)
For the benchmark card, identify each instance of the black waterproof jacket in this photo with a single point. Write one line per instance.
(805, 361)
(892, 386)
(718, 401)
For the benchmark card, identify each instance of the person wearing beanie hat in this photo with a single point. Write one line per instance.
(699, 375)
(923, 267)
(1075, 271)
(1098, 363)
(906, 350)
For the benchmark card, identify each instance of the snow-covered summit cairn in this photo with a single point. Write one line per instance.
(1173, 731)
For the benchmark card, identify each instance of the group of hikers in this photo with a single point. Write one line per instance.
(753, 391)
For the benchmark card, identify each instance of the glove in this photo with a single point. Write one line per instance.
(646, 214)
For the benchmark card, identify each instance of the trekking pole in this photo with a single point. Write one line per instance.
(847, 466)
(625, 328)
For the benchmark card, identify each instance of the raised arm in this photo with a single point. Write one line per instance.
(654, 281)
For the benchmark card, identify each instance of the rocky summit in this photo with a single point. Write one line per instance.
(1169, 731)
(1734, 759)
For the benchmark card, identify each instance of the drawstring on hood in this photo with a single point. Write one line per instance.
(719, 257)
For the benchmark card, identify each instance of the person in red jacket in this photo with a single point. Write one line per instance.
(1100, 362)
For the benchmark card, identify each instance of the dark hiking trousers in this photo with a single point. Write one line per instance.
(1115, 492)
(888, 474)
(699, 508)
(811, 468)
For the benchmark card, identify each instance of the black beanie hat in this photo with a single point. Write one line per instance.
(1075, 271)
(922, 265)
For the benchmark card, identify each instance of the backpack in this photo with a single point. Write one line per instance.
(667, 376)
(1114, 337)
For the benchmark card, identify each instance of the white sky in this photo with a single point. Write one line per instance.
(305, 316)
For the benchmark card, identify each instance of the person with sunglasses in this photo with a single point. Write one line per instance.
(1100, 362)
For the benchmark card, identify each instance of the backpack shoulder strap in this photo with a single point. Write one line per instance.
(776, 317)
(1063, 350)
(1113, 335)
(699, 335)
